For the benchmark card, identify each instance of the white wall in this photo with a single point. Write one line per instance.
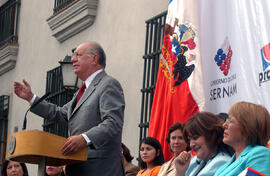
(3, 2)
(119, 27)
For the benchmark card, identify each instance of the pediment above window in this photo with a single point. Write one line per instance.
(8, 57)
(71, 20)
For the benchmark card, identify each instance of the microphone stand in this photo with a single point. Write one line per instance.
(32, 106)
(25, 119)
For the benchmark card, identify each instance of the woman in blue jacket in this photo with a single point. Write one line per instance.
(204, 132)
(247, 131)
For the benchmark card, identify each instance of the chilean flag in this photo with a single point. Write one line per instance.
(250, 172)
(179, 90)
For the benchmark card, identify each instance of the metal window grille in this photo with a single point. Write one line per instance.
(4, 108)
(153, 44)
(60, 4)
(9, 22)
(59, 96)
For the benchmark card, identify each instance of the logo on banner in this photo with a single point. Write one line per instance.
(224, 87)
(265, 75)
(223, 57)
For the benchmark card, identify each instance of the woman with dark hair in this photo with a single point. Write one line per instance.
(130, 169)
(204, 131)
(177, 144)
(247, 131)
(151, 157)
(11, 168)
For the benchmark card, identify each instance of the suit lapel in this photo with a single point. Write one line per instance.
(88, 91)
(73, 104)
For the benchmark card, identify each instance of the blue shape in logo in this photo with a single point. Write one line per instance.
(220, 57)
(223, 57)
(265, 52)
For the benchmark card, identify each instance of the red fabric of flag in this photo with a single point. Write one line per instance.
(172, 103)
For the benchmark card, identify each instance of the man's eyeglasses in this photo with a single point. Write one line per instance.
(77, 55)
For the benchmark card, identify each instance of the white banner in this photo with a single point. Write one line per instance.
(235, 52)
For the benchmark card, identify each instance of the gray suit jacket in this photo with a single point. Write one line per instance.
(99, 114)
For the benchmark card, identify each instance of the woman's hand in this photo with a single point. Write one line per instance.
(182, 162)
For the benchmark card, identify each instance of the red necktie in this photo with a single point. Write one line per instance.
(80, 93)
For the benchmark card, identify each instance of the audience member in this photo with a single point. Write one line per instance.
(224, 116)
(204, 131)
(177, 145)
(12, 168)
(130, 169)
(151, 157)
(247, 131)
(54, 171)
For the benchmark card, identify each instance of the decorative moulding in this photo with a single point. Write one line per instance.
(8, 57)
(73, 19)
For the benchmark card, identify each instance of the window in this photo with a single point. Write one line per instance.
(8, 22)
(61, 4)
(70, 17)
(4, 108)
(59, 96)
(9, 13)
(153, 44)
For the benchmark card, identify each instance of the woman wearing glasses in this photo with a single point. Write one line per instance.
(204, 132)
(247, 131)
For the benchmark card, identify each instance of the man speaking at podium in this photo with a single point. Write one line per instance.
(94, 115)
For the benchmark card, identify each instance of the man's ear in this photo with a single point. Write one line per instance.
(96, 58)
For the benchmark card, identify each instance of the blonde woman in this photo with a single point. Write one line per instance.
(247, 131)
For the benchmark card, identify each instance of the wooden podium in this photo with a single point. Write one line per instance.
(42, 148)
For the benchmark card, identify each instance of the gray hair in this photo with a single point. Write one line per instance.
(95, 48)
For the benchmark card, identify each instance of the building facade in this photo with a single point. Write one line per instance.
(36, 35)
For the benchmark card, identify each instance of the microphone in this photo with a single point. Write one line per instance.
(32, 106)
